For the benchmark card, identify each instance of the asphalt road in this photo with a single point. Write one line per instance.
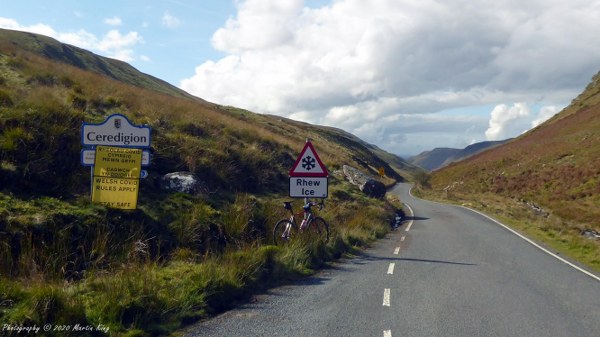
(446, 272)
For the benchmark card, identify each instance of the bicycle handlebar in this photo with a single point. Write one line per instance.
(314, 203)
(288, 205)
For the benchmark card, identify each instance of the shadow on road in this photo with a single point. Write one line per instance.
(365, 258)
(435, 261)
(414, 218)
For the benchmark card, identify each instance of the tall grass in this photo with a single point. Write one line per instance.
(153, 298)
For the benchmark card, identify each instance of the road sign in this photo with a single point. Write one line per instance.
(88, 156)
(308, 164)
(116, 177)
(308, 176)
(116, 130)
(308, 187)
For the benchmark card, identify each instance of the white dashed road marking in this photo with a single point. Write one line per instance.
(386, 297)
(391, 269)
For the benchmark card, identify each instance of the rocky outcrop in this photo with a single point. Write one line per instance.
(591, 234)
(184, 182)
(367, 184)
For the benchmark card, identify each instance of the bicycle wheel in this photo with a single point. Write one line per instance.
(319, 229)
(283, 232)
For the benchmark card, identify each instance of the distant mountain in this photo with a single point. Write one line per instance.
(440, 157)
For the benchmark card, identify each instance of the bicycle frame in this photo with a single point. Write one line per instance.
(308, 215)
(288, 227)
(291, 224)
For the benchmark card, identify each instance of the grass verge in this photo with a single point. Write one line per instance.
(157, 296)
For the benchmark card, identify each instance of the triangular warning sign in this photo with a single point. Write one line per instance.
(308, 164)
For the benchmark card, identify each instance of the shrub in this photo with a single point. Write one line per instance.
(422, 179)
(5, 99)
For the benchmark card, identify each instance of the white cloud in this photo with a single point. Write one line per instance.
(8, 23)
(170, 21)
(545, 113)
(259, 24)
(114, 40)
(504, 119)
(113, 44)
(506, 122)
(353, 62)
(114, 21)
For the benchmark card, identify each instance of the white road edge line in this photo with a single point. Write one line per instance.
(397, 250)
(402, 239)
(412, 214)
(391, 269)
(387, 333)
(386, 297)
(517, 234)
(535, 244)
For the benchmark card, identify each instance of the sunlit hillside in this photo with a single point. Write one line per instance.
(178, 257)
(547, 181)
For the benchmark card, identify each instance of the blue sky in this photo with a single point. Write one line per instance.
(174, 36)
(405, 75)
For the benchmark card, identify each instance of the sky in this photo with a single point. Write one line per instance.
(405, 75)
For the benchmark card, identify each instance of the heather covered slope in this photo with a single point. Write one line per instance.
(550, 176)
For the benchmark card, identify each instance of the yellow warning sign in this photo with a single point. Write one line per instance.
(116, 178)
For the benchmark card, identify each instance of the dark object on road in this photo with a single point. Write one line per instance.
(398, 218)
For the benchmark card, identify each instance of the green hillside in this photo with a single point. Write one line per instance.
(546, 182)
(178, 257)
(14, 41)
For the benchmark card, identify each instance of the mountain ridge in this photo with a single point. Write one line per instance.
(439, 157)
(85, 60)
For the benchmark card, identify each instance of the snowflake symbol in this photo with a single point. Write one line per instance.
(308, 163)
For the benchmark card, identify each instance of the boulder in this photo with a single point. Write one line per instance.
(185, 182)
(373, 188)
(367, 184)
